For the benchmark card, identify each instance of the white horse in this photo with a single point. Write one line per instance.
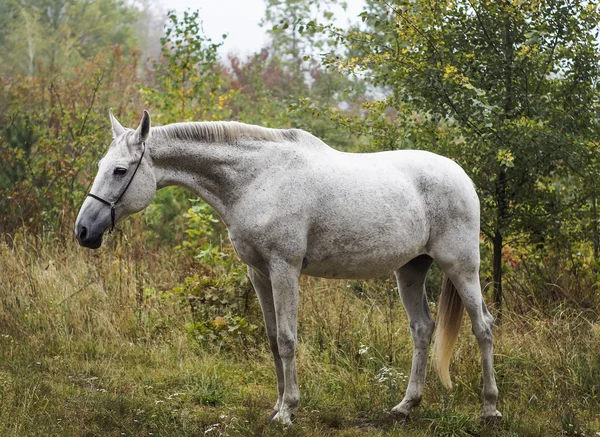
(295, 206)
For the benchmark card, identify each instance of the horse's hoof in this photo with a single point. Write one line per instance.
(492, 419)
(399, 414)
(283, 419)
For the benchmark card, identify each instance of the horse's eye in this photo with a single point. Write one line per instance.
(120, 171)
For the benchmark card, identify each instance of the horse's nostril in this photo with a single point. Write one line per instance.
(82, 233)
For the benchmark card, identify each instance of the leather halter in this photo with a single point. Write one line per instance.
(113, 204)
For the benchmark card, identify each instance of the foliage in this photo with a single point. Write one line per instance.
(295, 47)
(201, 233)
(51, 138)
(219, 301)
(290, 34)
(260, 82)
(188, 79)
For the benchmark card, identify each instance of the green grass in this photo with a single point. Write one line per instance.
(85, 351)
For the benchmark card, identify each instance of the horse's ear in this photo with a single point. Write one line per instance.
(117, 129)
(143, 130)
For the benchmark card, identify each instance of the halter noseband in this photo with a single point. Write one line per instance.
(113, 204)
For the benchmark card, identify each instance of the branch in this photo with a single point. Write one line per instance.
(487, 230)
(487, 36)
(548, 61)
(62, 112)
(466, 119)
(91, 103)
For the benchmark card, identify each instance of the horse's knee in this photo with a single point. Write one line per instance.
(489, 319)
(421, 332)
(292, 398)
(286, 344)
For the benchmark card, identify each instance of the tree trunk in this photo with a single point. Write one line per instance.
(498, 241)
(501, 196)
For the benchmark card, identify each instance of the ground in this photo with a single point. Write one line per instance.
(85, 350)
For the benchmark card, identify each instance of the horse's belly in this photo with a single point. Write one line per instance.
(365, 239)
(365, 265)
(332, 269)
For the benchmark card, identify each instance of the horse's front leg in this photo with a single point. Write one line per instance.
(264, 292)
(284, 280)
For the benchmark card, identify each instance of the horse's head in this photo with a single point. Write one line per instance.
(125, 184)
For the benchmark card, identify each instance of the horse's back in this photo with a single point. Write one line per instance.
(434, 184)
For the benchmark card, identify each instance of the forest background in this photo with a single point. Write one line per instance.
(158, 333)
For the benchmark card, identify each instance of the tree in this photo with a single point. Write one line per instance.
(58, 35)
(291, 35)
(189, 80)
(294, 48)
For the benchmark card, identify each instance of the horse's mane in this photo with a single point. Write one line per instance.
(223, 132)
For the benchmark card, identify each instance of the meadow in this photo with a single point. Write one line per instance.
(104, 343)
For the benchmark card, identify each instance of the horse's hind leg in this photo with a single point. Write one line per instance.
(411, 285)
(264, 292)
(465, 277)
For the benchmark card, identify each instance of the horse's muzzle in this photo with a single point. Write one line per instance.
(88, 239)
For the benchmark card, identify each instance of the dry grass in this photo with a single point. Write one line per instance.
(94, 343)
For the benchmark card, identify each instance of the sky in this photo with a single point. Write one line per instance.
(240, 20)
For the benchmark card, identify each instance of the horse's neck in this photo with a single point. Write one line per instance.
(216, 172)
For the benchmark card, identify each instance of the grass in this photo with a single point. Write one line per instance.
(95, 343)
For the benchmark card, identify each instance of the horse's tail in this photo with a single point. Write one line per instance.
(450, 312)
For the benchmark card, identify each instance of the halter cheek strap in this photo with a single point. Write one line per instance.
(113, 204)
